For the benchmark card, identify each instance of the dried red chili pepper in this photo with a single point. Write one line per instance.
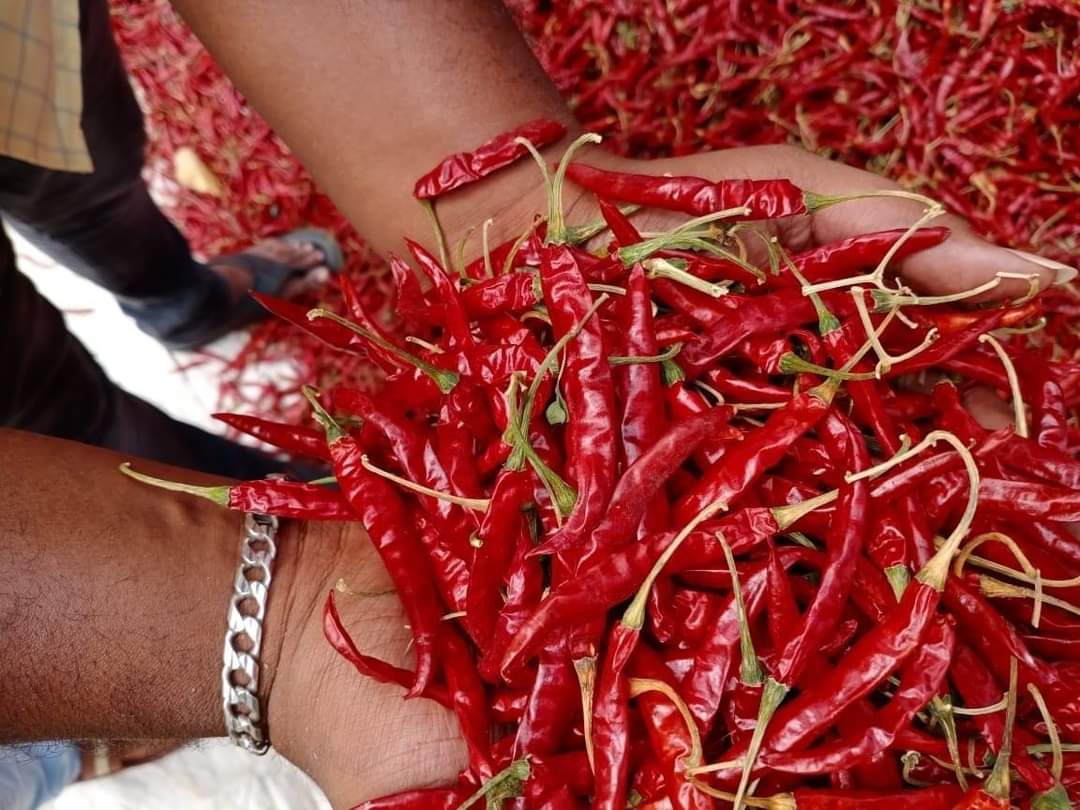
(643, 422)
(368, 665)
(921, 679)
(611, 720)
(463, 168)
(513, 293)
(468, 699)
(669, 735)
(296, 439)
(845, 542)
(765, 199)
(644, 479)
(780, 311)
(271, 497)
(1049, 414)
(842, 259)
(553, 704)
(758, 451)
(384, 517)
(589, 392)
(426, 799)
(494, 545)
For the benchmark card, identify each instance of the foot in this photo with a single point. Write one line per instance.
(307, 259)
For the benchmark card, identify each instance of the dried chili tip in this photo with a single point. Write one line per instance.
(463, 168)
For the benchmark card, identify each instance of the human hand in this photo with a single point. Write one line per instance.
(961, 263)
(358, 739)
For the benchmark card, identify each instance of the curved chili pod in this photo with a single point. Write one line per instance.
(463, 168)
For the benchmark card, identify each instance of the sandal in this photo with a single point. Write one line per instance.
(267, 276)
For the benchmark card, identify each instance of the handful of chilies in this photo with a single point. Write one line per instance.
(673, 529)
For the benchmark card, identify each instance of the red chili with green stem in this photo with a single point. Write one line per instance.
(977, 686)
(842, 259)
(289, 499)
(921, 678)
(704, 684)
(329, 332)
(614, 578)
(673, 742)
(412, 450)
(388, 361)
(383, 515)
(995, 792)
(877, 653)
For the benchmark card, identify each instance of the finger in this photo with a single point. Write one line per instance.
(962, 262)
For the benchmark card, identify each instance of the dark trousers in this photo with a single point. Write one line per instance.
(103, 226)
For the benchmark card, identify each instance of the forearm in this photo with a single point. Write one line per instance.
(113, 598)
(387, 88)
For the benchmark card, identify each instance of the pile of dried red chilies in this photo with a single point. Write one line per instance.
(675, 529)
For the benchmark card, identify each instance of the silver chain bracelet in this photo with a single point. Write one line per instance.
(243, 636)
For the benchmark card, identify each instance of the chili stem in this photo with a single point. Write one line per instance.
(218, 494)
(665, 268)
(634, 617)
(639, 686)
(997, 784)
(632, 360)
(440, 235)
(1019, 413)
(556, 232)
(506, 784)
(488, 269)
(585, 669)
(936, 569)
(933, 212)
(476, 504)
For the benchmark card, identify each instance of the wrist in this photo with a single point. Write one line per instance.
(357, 738)
(309, 560)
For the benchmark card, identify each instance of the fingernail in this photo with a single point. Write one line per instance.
(1063, 273)
(320, 275)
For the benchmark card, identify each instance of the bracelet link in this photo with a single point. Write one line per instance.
(243, 636)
